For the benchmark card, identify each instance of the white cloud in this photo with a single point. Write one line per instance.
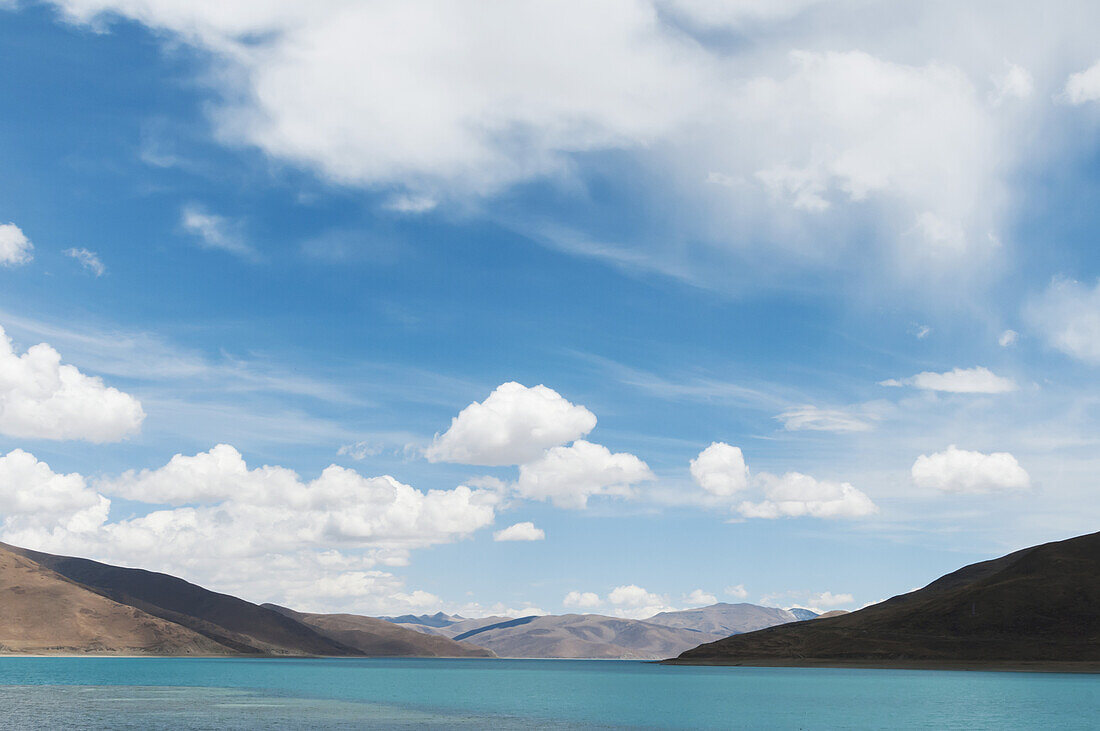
(515, 424)
(360, 450)
(737, 592)
(700, 598)
(957, 380)
(829, 599)
(1067, 316)
(633, 602)
(1014, 82)
(568, 476)
(520, 532)
(15, 247)
(813, 418)
(1008, 338)
(89, 260)
(1083, 86)
(819, 602)
(720, 469)
(922, 332)
(41, 398)
(215, 232)
(264, 532)
(411, 204)
(582, 600)
(467, 108)
(795, 495)
(959, 470)
(33, 497)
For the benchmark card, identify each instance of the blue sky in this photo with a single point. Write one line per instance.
(319, 239)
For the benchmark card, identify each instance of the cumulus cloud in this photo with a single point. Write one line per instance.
(525, 531)
(582, 600)
(88, 259)
(720, 469)
(633, 602)
(1008, 338)
(568, 476)
(700, 598)
(215, 232)
(515, 424)
(1083, 86)
(15, 247)
(41, 398)
(1067, 317)
(264, 532)
(819, 602)
(829, 599)
(737, 592)
(813, 418)
(962, 471)
(957, 380)
(35, 498)
(794, 495)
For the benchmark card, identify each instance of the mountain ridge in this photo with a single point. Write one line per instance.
(1034, 607)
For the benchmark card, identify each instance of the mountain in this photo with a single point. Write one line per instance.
(229, 621)
(803, 614)
(60, 604)
(726, 619)
(583, 636)
(1038, 607)
(42, 612)
(435, 625)
(378, 637)
(437, 620)
(833, 613)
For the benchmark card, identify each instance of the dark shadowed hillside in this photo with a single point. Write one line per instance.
(1040, 606)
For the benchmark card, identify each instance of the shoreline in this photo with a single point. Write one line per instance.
(993, 666)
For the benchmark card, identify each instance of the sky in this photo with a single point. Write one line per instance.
(614, 306)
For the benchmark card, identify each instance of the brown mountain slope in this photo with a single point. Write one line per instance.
(227, 620)
(1040, 606)
(377, 637)
(42, 612)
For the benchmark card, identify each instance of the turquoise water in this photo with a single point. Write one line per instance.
(397, 693)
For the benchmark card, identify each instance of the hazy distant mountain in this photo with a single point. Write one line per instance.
(803, 614)
(60, 604)
(1039, 605)
(426, 620)
(833, 613)
(435, 625)
(583, 636)
(726, 619)
(378, 637)
(42, 612)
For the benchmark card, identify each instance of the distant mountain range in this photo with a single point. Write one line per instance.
(1035, 608)
(597, 636)
(60, 605)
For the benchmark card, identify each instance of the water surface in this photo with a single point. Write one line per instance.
(90, 692)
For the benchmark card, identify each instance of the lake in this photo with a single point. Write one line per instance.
(104, 692)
